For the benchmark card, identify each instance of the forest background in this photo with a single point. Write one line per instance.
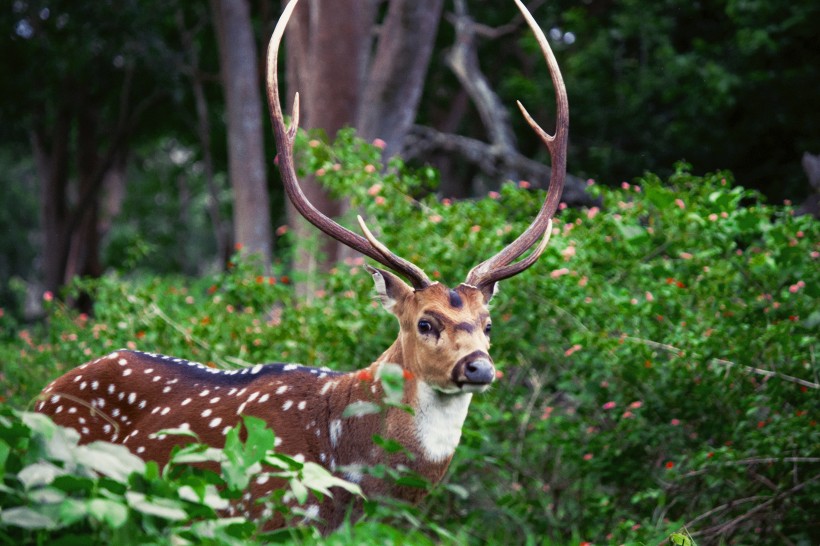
(135, 149)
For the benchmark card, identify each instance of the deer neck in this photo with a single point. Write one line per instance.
(433, 431)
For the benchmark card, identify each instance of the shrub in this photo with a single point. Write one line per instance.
(659, 361)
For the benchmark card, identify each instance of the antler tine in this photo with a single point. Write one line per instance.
(497, 267)
(285, 139)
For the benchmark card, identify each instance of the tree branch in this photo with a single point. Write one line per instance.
(493, 160)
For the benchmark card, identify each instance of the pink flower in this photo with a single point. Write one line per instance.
(523, 184)
(588, 457)
(685, 255)
(593, 212)
(48, 295)
(435, 218)
(494, 195)
(590, 182)
(314, 143)
(674, 422)
(379, 143)
(475, 229)
(374, 189)
(680, 203)
(627, 415)
(609, 405)
(320, 172)
(568, 253)
(624, 185)
(649, 296)
(379, 200)
(713, 217)
(573, 349)
(559, 273)
(370, 169)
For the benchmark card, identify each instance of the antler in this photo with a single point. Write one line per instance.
(499, 267)
(368, 245)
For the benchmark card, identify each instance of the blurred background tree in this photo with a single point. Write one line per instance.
(114, 113)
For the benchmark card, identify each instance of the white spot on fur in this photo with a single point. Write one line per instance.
(215, 422)
(290, 367)
(282, 389)
(185, 402)
(302, 405)
(207, 412)
(439, 418)
(325, 388)
(264, 398)
(335, 432)
(286, 406)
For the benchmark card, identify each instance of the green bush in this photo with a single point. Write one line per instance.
(659, 361)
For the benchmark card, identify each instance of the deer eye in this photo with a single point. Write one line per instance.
(425, 327)
(488, 328)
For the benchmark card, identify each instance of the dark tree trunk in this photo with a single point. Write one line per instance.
(396, 77)
(246, 163)
(327, 52)
(329, 62)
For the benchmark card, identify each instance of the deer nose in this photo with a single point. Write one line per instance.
(479, 370)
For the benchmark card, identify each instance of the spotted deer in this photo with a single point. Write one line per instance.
(442, 348)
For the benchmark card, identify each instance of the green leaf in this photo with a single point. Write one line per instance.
(112, 460)
(112, 513)
(360, 408)
(26, 518)
(163, 508)
(39, 474)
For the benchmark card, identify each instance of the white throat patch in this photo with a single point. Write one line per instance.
(439, 419)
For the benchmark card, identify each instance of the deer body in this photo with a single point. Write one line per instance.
(442, 347)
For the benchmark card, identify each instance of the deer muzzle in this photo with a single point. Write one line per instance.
(474, 370)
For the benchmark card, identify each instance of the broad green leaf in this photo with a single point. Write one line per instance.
(112, 513)
(26, 518)
(163, 508)
(360, 408)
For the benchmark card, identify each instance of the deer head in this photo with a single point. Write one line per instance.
(444, 336)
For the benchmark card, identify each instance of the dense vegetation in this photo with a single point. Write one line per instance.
(659, 372)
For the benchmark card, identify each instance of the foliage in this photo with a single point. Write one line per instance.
(659, 361)
(651, 83)
(58, 492)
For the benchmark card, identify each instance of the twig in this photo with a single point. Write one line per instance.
(724, 527)
(727, 363)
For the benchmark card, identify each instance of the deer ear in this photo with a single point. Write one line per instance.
(389, 287)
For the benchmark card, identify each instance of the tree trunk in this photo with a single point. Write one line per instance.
(396, 77)
(246, 164)
(327, 52)
(328, 62)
